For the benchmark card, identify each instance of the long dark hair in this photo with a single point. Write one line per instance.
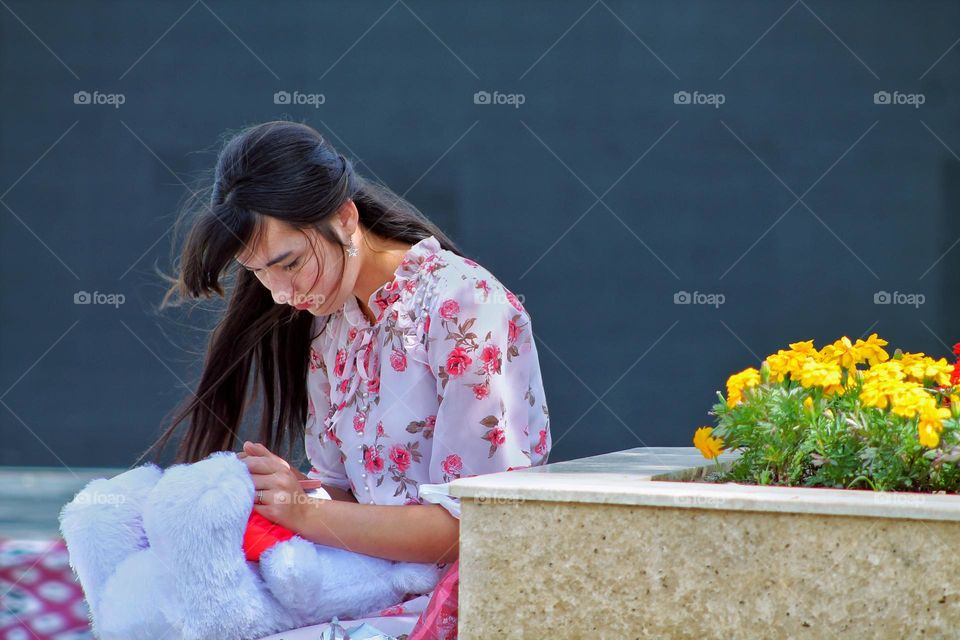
(290, 172)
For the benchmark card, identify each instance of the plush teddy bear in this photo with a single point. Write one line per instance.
(160, 555)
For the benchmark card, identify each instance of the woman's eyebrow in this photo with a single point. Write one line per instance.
(282, 256)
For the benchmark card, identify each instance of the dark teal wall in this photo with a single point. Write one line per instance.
(597, 199)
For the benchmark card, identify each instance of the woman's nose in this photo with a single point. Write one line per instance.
(281, 289)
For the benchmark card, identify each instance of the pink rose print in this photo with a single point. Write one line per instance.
(413, 501)
(426, 325)
(333, 436)
(490, 356)
(513, 332)
(373, 384)
(316, 360)
(430, 423)
(366, 356)
(358, 422)
(541, 447)
(481, 391)
(344, 384)
(398, 360)
(400, 457)
(379, 428)
(482, 285)
(352, 334)
(496, 436)
(449, 309)
(470, 262)
(452, 465)
(372, 461)
(457, 361)
(513, 300)
(341, 362)
(395, 610)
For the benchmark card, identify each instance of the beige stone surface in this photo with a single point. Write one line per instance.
(532, 569)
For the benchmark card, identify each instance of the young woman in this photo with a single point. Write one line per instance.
(399, 361)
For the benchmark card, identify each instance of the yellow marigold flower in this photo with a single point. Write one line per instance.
(910, 399)
(871, 350)
(933, 417)
(877, 392)
(924, 368)
(928, 436)
(821, 374)
(842, 352)
(710, 446)
(736, 383)
(891, 370)
(806, 347)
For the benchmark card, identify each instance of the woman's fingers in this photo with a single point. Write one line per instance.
(256, 464)
(257, 449)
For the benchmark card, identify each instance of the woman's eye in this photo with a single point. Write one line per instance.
(292, 264)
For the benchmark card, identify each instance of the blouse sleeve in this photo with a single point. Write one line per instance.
(492, 412)
(321, 449)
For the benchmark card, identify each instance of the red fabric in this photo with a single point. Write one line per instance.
(439, 620)
(40, 598)
(261, 534)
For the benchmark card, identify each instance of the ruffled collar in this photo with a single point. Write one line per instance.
(388, 293)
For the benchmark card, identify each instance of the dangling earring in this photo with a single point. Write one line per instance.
(352, 250)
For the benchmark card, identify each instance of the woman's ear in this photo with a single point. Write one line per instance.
(349, 218)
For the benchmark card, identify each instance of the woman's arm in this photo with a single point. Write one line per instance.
(335, 493)
(408, 533)
(340, 494)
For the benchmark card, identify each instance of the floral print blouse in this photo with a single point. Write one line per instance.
(445, 384)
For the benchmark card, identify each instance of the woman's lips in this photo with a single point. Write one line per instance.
(305, 305)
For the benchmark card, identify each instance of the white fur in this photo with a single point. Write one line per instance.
(159, 555)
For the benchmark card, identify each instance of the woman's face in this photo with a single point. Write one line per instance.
(304, 267)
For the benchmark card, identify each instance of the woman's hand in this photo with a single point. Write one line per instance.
(281, 500)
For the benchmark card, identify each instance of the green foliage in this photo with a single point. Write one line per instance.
(835, 442)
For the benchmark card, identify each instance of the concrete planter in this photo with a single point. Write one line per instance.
(613, 546)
